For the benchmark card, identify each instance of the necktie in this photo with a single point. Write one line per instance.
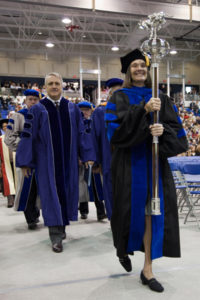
(57, 104)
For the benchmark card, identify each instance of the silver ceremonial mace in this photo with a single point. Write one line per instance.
(156, 48)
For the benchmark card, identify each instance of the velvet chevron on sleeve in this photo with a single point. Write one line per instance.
(122, 118)
(25, 158)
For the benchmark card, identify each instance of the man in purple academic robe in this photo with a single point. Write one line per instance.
(52, 140)
(95, 186)
(102, 145)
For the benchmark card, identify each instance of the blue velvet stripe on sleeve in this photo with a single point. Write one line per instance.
(111, 106)
(110, 117)
(175, 108)
(11, 121)
(27, 132)
(181, 133)
(178, 118)
(29, 116)
(27, 125)
(111, 127)
(25, 153)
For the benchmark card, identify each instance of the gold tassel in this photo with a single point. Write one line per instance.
(147, 61)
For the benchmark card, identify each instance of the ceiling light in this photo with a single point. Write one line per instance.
(66, 20)
(50, 45)
(39, 33)
(115, 48)
(84, 36)
(173, 52)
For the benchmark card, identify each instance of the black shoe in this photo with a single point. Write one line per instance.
(10, 205)
(32, 226)
(64, 236)
(101, 217)
(126, 263)
(83, 216)
(57, 247)
(153, 284)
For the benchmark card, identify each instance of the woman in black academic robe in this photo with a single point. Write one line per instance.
(130, 130)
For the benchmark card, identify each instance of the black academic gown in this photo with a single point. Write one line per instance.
(128, 131)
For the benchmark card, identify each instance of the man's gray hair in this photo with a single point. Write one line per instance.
(53, 74)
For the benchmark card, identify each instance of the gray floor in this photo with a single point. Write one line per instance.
(88, 268)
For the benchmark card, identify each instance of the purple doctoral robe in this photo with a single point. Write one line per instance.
(103, 154)
(51, 142)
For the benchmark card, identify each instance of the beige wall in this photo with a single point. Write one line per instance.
(192, 72)
(38, 66)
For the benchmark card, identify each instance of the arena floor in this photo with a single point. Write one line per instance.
(88, 268)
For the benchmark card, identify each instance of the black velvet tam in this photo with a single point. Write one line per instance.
(128, 58)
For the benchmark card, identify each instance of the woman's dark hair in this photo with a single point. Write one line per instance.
(128, 82)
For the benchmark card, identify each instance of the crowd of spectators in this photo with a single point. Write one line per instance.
(10, 103)
(17, 88)
(189, 116)
(191, 123)
(12, 94)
